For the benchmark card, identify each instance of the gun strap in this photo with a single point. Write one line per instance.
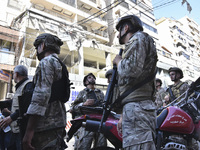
(138, 85)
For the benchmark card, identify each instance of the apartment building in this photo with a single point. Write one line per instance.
(87, 28)
(182, 42)
(9, 43)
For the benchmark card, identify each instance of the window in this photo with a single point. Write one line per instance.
(150, 27)
(5, 45)
(17, 4)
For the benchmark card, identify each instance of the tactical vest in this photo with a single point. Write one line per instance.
(176, 89)
(15, 105)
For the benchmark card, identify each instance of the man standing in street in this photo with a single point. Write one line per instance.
(136, 70)
(47, 116)
(92, 97)
(23, 94)
(179, 87)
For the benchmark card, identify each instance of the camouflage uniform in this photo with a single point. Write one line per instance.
(50, 129)
(178, 89)
(139, 116)
(160, 97)
(83, 138)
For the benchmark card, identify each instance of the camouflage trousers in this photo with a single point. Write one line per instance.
(143, 146)
(49, 140)
(138, 125)
(84, 139)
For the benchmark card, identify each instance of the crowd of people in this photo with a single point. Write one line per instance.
(44, 120)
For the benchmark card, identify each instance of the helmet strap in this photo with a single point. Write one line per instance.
(90, 83)
(41, 55)
(123, 36)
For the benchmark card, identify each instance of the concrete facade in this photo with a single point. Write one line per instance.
(87, 28)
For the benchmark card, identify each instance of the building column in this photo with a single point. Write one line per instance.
(72, 62)
(81, 61)
(108, 61)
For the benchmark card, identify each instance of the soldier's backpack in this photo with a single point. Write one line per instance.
(60, 89)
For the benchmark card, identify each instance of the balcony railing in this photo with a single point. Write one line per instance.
(7, 57)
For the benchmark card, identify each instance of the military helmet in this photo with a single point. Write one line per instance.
(109, 72)
(136, 22)
(158, 80)
(51, 42)
(176, 69)
(85, 78)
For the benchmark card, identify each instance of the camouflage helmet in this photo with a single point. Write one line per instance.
(85, 78)
(109, 72)
(51, 42)
(136, 22)
(158, 80)
(176, 69)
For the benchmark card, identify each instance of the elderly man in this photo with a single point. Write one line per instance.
(22, 94)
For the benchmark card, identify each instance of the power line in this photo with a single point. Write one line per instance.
(112, 22)
(96, 13)
(153, 8)
(103, 12)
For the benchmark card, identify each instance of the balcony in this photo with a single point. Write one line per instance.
(69, 2)
(146, 8)
(7, 57)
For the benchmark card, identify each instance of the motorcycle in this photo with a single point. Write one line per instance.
(178, 124)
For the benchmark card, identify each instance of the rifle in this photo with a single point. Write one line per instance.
(108, 97)
(172, 97)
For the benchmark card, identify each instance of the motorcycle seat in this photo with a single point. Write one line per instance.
(161, 118)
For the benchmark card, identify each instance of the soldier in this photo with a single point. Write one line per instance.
(47, 116)
(136, 70)
(22, 93)
(176, 90)
(160, 93)
(90, 96)
(115, 93)
(179, 87)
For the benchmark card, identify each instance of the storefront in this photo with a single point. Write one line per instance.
(5, 80)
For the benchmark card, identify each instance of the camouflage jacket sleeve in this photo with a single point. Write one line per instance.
(84, 95)
(80, 99)
(184, 87)
(48, 70)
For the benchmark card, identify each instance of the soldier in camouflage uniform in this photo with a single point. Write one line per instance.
(160, 93)
(115, 93)
(138, 120)
(90, 96)
(178, 87)
(47, 120)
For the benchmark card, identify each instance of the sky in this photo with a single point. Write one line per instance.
(175, 10)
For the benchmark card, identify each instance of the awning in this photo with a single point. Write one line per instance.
(9, 34)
